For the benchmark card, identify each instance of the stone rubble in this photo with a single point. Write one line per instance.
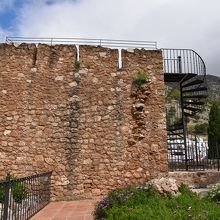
(165, 186)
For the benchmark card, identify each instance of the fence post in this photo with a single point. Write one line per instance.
(196, 145)
(6, 202)
(179, 64)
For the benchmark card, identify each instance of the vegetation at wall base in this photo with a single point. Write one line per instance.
(214, 193)
(144, 204)
(18, 190)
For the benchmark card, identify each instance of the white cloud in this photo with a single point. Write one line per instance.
(3, 34)
(182, 24)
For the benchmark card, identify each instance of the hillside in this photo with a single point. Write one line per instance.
(213, 83)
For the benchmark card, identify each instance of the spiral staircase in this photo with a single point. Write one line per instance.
(187, 69)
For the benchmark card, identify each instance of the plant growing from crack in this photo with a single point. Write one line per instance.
(140, 78)
(77, 65)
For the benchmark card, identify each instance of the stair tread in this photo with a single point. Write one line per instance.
(175, 139)
(188, 114)
(177, 77)
(178, 153)
(173, 129)
(171, 140)
(170, 129)
(179, 133)
(192, 108)
(195, 82)
(195, 96)
(194, 103)
(196, 89)
(189, 76)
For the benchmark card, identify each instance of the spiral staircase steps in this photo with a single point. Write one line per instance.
(192, 83)
(198, 89)
(199, 96)
(193, 102)
(192, 109)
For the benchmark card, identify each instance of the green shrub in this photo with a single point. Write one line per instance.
(117, 198)
(172, 93)
(140, 78)
(201, 128)
(142, 204)
(214, 193)
(77, 65)
(185, 190)
(2, 193)
(18, 189)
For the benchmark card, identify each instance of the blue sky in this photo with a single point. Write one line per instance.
(173, 24)
(7, 18)
(7, 15)
(10, 11)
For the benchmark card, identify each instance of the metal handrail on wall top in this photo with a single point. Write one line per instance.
(86, 41)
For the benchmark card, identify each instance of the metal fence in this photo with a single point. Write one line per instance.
(21, 198)
(86, 41)
(201, 155)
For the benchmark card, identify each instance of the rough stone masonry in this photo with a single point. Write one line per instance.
(87, 124)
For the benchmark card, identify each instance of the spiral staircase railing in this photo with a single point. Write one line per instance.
(185, 61)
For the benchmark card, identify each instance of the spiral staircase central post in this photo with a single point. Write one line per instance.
(184, 123)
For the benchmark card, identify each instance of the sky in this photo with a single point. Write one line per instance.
(191, 24)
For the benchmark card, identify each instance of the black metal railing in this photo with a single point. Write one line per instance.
(21, 198)
(185, 61)
(201, 155)
(86, 41)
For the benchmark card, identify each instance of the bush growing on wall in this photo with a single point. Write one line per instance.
(140, 78)
(77, 65)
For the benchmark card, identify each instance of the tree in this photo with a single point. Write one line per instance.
(201, 129)
(214, 132)
(171, 115)
(172, 93)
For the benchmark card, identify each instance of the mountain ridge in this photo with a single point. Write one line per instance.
(213, 84)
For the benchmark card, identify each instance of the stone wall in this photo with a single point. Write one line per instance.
(196, 179)
(85, 124)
